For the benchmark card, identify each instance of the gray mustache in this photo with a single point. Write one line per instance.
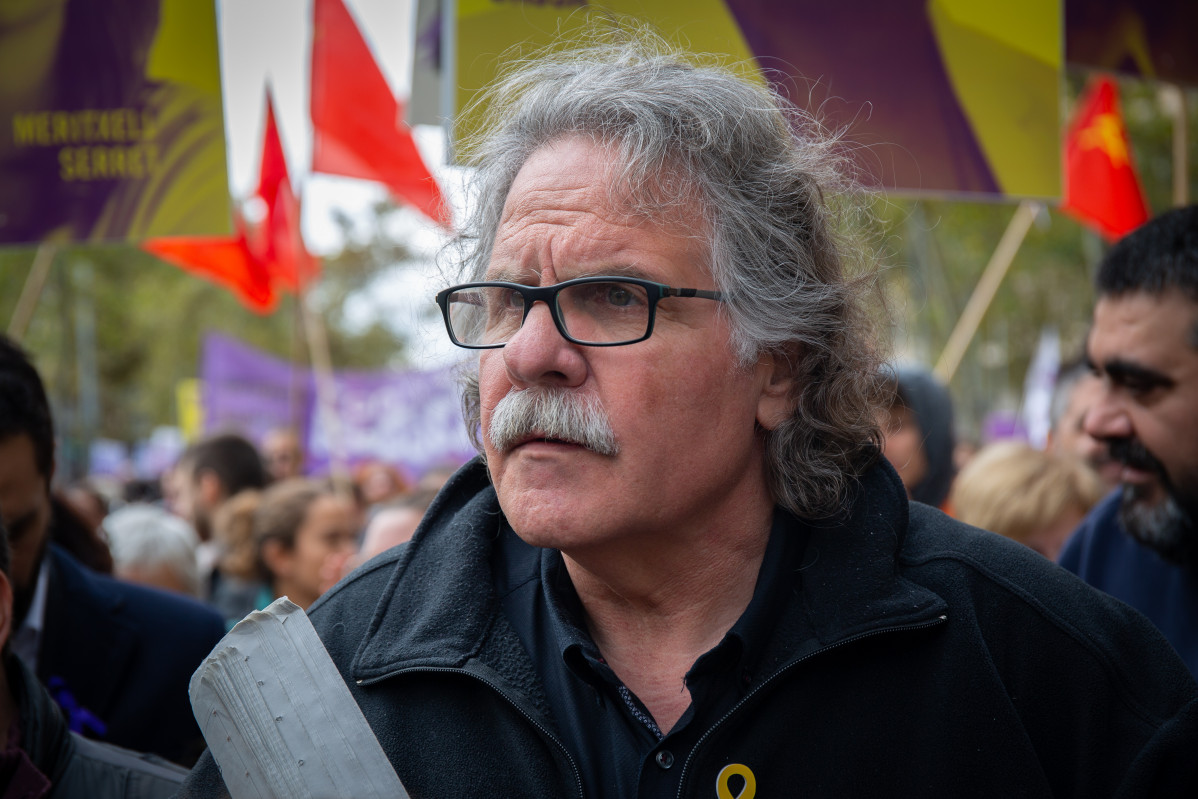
(551, 413)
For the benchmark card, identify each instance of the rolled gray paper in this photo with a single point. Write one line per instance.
(279, 719)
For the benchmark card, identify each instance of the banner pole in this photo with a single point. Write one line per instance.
(295, 382)
(449, 77)
(31, 292)
(1181, 184)
(984, 291)
(326, 394)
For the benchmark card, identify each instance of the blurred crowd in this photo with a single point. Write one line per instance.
(238, 524)
(112, 595)
(1036, 496)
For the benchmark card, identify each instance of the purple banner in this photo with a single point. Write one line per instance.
(1146, 38)
(111, 127)
(245, 390)
(410, 419)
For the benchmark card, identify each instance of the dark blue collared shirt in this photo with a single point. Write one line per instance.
(618, 747)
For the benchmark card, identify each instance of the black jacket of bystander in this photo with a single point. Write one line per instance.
(76, 767)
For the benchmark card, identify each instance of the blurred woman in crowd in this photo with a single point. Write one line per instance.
(1032, 496)
(919, 439)
(299, 524)
(278, 542)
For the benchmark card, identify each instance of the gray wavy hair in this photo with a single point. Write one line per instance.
(772, 187)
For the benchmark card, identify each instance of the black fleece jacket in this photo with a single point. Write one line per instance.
(918, 657)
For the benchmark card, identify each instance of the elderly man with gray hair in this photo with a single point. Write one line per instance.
(679, 566)
(154, 547)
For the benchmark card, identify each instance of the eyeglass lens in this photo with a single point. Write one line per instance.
(605, 312)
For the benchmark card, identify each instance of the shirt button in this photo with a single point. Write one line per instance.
(665, 759)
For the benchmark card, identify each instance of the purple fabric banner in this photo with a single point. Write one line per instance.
(410, 419)
(111, 125)
(1147, 38)
(245, 390)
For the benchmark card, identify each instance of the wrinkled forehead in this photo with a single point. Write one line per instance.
(612, 179)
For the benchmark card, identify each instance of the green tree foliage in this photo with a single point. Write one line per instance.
(143, 322)
(936, 250)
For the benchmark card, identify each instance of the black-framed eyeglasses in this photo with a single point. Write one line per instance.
(598, 311)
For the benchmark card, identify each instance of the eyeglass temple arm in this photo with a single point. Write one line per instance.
(707, 295)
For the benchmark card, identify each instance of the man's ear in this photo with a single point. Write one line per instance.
(5, 608)
(777, 401)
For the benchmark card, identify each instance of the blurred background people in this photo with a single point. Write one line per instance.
(1077, 389)
(39, 753)
(300, 525)
(242, 587)
(394, 523)
(378, 482)
(151, 546)
(1033, 496)
(283, 452)
(919, 440)
(118, 657)
(208, 473)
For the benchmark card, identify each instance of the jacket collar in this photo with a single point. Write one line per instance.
(440, 610)
(439, 604)
(851, 582)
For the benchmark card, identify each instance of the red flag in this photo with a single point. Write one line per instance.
(358, 124)
(225, 260)
(1102, 189)
(272, 171)
(286, 258)
(279, 244)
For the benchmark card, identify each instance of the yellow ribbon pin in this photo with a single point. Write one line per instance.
(736, 769)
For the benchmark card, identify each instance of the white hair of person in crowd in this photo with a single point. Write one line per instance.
(153, 547)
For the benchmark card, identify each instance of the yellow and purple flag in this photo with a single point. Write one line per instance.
(948, 96)
(111, 126)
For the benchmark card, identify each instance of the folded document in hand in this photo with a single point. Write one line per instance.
(279, 719)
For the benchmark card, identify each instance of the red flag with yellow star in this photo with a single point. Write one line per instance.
(1102, 189)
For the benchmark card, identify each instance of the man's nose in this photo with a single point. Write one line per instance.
(537, 322)
(1107, 418)
(538, 354)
